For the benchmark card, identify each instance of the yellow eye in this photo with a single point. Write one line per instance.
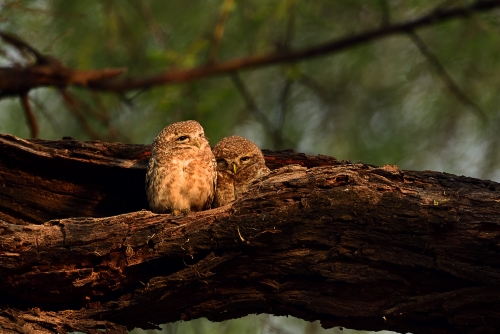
(245, 159)
(183, 138)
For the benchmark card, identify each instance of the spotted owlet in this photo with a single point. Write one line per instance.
(181, 173)
(239, 162)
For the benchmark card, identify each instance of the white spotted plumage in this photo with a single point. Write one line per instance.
(239, 163)
(181, 175)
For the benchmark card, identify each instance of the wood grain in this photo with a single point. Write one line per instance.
(351, 245)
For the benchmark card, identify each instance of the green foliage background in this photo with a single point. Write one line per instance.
(381, 102)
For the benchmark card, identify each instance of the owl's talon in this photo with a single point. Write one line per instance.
(180, 213)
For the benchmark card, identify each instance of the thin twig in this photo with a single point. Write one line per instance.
(290, 26)
(30, 116)
(479, 20)
(147, 15)
(15, 5)
(285, 94)
(435, 17)
(75, 110)
(250, 102)
(4, 54)
(226, 9)
(316, 88)
(246, 15)
(100, 114)
(43, 110)
(492, 152)
(386, 13)
(283, 108)
(21, 45)
(113, 132)
(443, 74)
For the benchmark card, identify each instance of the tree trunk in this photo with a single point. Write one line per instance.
(349, 244)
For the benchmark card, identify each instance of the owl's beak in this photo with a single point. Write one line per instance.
(196, 142)
(235, 168)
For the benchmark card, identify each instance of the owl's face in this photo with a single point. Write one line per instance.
(236, 154)
(182, 135)
(237, 164)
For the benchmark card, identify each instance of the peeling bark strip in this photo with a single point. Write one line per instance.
(348, 244)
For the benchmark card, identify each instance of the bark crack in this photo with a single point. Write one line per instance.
(341, 243)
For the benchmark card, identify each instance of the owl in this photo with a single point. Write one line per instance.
(181, 175)
(239, 162)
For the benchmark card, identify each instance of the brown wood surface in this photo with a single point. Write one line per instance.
(349, 244)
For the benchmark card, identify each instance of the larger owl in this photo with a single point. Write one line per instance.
(181, 174)
(239, 162)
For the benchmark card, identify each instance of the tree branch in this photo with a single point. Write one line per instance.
(226, 8)
(445, 77)
(144, 9)
(251, 104)
(350, 245)
(46, 71)
(22, 46)
(72, 105)
(43, 110)
(279, 140)
(30, 116)
(173, 76)
(15, 80)
(386, 13)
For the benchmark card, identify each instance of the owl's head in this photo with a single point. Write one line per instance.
(235, 154)
(187, 134)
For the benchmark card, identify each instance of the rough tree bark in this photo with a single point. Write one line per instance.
(349, 244)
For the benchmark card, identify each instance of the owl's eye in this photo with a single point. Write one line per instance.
(221, 163)
(183, 138)
(245, 159)
(202, 134)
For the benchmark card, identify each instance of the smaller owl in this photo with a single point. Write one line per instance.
(181, 173)
(239, 162)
